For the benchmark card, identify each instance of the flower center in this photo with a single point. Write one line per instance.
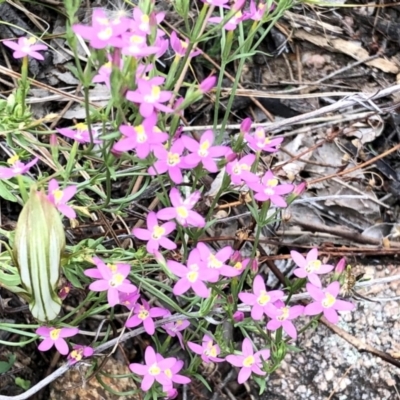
(269, 191)
(313, 265)
(192, 276)
(158, 232)
(136, 39)
(141, 134)
(263, 298)
(203, 150)
(144, 25)
(81, 127)
(329, 301)
(248, 361)
(182, 211)
(55, 334)
(105, 34)
(173, 159)
(58, 195)
(143, 314)
(77, 354)
(154, 370)
(284, 315)
(272, 182)
(168, 372)
(211, 351)
(238, 265)
(154, 96)
(112, 267)
(116, 280)
(13, 160)
(213, 262)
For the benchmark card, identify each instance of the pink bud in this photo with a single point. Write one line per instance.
(63, 293)
(254, 266)
(208, 84)
(236, 257)
(238, 316)
(300, 189)
(172, 394)
(238, 5)
(340, 266)
(230, 156)
(245, 126)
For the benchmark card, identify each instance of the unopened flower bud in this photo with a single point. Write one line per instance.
(300, 189)
(340, 266)
(238, 316)
(38, 245)
(254, 266)
(245, 126)
(236, 257)
(207, 84)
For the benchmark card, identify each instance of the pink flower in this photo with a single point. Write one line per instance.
(55, 336)
(182, 210)
(17, 167)
(78, 353)
(153, 370)
(193, 276)
(257, 11)
(142, 21)
(233, 22)
(240, 170)
(26, 47)
(282, 318)
(135, 45)
(111, 278)
(203, 152)
(310, 266)
(150, 97)
(269, 189)
(129, 300)
(262, 302)
(248, 361)
(208, 350)
(144, 137)
(60, 197)
(156, 235)
(103, 32)
(216, 263)
(173, 376)
(143, 314)
(180, 46)
(170, 160)
(174, 329)
(259, 141)
(326, 302)
(80, 134)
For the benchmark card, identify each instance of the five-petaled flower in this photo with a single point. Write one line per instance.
(144, 314)
(55, 337)
(208, 350)
(111, 278)
(81, 133)
(326, 302)
(269, 189)
(282, 318)
(182, 211)
(180, 46)
(173, 376)
(193, 276)
(240, 170)
(144, 137)
(156, 235)
(310, 266)
(248, 361)
(204, 152)
(17, 167)
(216, 263)
(259, 141)
(174, 329)
(170, 160)
(78, 352)
(262, 302)
(26, 47)
(154, 369)
(60, 198)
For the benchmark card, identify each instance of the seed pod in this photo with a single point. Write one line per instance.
(39, 242)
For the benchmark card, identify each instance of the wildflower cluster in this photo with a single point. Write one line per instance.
(201, 281)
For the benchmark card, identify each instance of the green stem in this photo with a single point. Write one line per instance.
(22, 188)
